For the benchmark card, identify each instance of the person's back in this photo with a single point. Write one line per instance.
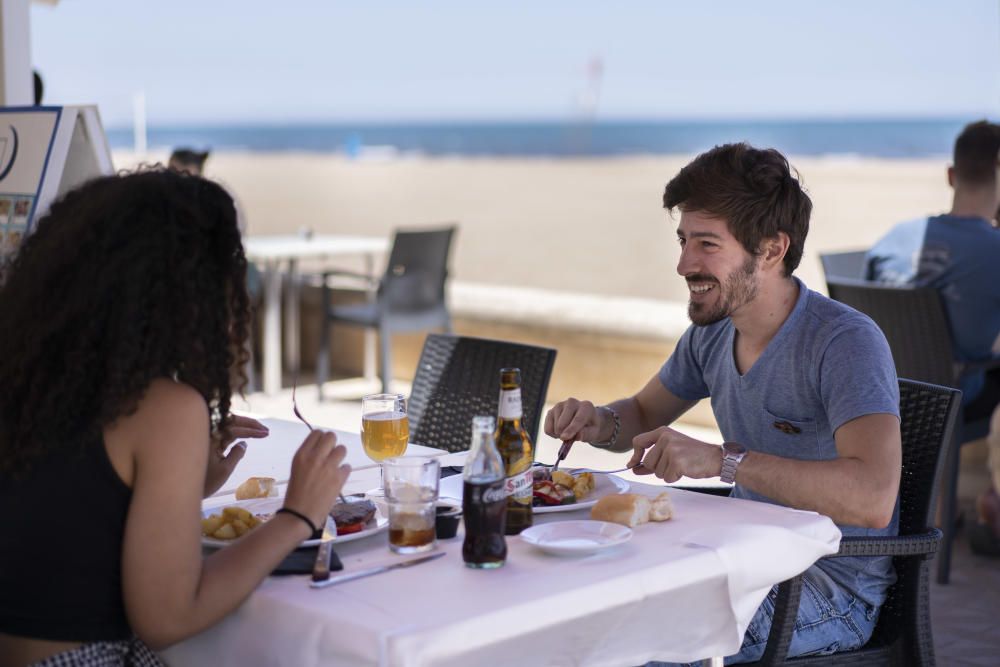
(78, 501)
(956, 253)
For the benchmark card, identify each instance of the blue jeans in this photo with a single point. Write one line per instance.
(830, 619)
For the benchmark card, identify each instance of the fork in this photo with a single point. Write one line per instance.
(578, 471)
(295, 411)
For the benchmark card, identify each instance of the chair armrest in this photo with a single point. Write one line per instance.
(921, 544)
(786, 604)
(786, 608)
(370, 282)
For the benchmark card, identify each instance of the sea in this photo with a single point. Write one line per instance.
(880, 138)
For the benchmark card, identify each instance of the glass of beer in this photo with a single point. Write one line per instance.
(411, 490)
(385, 428)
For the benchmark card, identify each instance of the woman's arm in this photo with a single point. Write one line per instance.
(170, 591)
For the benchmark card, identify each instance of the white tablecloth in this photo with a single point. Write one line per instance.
(680, 590)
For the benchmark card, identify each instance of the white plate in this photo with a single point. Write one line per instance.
(377, 524)
(576, 538)
(604, 485)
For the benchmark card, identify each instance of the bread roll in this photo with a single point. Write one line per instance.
(255, 487)
(661, 508)
(628, 509)
(631, 509)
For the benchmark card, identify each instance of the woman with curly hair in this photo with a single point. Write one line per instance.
(125, 317)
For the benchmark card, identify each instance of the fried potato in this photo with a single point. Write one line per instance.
(226, 532)
(563, 479)
(233, 522)
(211, 524)
(236, 513)
(583, 484)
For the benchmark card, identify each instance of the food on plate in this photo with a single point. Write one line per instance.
(560, 488)
(631, 509)
(233, 522)
(256, 487)
(550, 493)
(351, 517)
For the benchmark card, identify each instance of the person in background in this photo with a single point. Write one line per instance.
(803, 388)
(188, 161)
(39, 87)
(958, 253)
(131, 316)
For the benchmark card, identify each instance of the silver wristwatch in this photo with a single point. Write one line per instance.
(732, 454)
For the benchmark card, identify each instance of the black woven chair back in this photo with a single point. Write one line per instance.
(417, 270)
(927, 418)
(914, 322)
(844, 264)
(928, 414)
(459, 377)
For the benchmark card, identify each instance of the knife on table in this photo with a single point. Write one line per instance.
(321, 568)
(351, 576)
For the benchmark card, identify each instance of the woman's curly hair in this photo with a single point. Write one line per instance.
(126, 279)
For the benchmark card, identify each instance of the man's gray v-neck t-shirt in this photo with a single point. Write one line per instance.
(826, 365)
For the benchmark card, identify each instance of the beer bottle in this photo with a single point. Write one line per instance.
(484, 500)
(516, 450)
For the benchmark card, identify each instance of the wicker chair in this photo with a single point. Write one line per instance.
(902, 635)
(409, 297)
(915, 323)
(458, 378)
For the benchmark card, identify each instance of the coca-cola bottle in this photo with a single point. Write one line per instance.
(484, 499)
(516, 450)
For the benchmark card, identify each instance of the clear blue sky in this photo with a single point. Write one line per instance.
(220, 61)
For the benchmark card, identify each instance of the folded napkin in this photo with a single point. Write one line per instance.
(301, 561)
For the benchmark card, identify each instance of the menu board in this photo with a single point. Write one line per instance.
(44, 151)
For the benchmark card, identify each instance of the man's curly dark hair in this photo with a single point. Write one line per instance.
(127, 279)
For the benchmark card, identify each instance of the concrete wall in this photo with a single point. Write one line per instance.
(607, 348)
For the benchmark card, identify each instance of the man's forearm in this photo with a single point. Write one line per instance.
(633, 421)
(845, 489)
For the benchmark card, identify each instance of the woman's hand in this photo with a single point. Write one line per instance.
(317, 476)
(220, 464)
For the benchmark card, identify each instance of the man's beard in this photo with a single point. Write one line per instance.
(739, 290)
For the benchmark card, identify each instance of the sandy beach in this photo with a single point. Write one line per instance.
(577, 225)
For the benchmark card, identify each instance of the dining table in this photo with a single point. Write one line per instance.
(682, 590)
(280, 255)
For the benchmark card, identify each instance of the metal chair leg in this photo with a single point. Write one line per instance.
(385, 360)
(323, 355)
(949, 509)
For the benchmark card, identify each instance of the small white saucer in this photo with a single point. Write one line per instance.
(576, 538)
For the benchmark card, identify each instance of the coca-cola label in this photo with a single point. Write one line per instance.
(510, 404)
(519, 485)
(493, 493)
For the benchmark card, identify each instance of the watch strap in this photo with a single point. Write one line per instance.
(731, 461)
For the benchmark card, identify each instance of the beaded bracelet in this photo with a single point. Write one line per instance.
(288, 510)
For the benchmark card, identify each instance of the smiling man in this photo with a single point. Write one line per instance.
(803, 388)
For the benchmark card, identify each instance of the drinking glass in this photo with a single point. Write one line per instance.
(385, 429)
(411, 490)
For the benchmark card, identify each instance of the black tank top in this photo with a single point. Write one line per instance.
(61, 530)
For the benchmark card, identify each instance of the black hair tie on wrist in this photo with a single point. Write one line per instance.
(316, 532)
